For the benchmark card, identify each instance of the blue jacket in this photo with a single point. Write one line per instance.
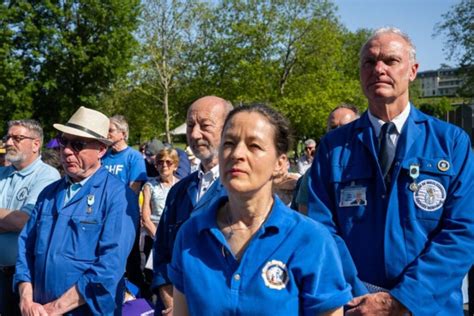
(85, 243)
(180, 202)
(417, 243)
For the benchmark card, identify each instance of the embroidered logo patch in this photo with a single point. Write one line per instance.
(275, 275)
(22, 194)
(430, 195)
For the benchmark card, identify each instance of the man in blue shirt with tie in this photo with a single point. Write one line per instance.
(205, 119)
(407, 248)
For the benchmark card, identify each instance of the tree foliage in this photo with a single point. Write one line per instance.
(63, 54)
(458, 25)
(293, 54)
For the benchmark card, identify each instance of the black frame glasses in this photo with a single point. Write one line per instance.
(75, 144)
(16, 138)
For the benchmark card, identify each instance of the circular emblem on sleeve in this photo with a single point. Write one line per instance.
(443, 165)
(275, 275)
(22, 194)
(430, 195)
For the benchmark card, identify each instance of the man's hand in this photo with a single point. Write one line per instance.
(376, 304)
(30, 308)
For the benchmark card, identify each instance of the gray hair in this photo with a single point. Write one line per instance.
(310, 142)
(121, 124)
(32, 125)
(392, 30)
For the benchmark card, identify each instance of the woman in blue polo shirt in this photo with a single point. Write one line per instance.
(249, 254)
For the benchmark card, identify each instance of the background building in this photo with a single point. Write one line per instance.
(442, 82)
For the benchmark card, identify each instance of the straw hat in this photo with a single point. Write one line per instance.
(87, 123)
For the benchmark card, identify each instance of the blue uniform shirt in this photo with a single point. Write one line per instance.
(416, 238)
(84, 242)
(127, 164)
(290, 267)
(19, 191)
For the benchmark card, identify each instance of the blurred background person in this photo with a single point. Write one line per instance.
(341, 115)
(155, 192)
(128, 165)
(304, 162)
(246, 248)
(150, 151)
(121, 159)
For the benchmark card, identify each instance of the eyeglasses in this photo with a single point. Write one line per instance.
(309, 148)
(16, 138)
(162, 162)
(75, 145)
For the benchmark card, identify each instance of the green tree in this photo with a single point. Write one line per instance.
(170, 33)
(66, 53)
(458, 25)
(437, 107)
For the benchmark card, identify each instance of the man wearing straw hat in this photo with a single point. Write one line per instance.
(73, 250)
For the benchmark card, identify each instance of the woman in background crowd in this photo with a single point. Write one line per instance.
(155, 192)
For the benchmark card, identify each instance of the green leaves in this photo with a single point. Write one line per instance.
(66, 53)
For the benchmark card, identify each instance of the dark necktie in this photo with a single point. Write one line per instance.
(387, 147)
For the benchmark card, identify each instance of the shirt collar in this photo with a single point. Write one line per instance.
(80, 183)
(398, 120)
(211, 175)
(29, 169)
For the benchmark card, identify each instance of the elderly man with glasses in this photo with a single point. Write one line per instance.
(73, 250)
(20, 184)
(304, 162)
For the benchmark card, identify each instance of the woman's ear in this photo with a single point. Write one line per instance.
(281, 165)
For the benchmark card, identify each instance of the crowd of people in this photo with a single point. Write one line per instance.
(377, 218)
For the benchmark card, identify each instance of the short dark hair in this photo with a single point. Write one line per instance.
(283, 136)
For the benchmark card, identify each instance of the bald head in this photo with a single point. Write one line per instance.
(341, 116)
(204, 122)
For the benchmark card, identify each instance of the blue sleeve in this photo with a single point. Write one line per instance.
(320, 206)
(98, 284)
(137, 167)
(323, 285)
(175, 268)
(430, 279)
(26, 246)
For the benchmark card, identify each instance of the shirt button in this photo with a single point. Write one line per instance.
(237, 277)
(397, 164)
(383, 196)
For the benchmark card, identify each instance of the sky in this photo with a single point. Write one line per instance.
(417, 18)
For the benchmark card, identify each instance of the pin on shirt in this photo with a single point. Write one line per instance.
(90, 202)
(414, 172)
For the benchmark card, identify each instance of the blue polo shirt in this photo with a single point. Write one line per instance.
(127, 164)
(291, 264)
(19, 190)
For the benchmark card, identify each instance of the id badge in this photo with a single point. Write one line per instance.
(353, 196)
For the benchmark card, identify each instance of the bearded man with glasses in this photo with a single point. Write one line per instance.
(72, 252)
(20, 184)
